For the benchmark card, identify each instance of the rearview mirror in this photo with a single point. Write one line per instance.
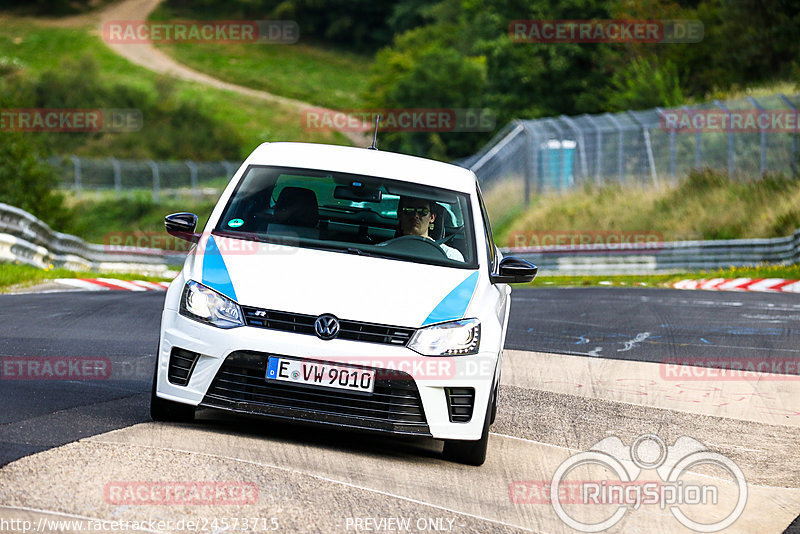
(182, 226)
(514, 271)
(357, 193)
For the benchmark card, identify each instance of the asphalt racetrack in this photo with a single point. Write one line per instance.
(580, 365)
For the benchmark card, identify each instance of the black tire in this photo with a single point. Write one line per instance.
(471, 452)
(169, 411)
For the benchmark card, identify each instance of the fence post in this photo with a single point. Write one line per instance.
(763, 147)
(529, 162)
(117, 176)
(698, 149)
(794, 137)
(193, 177)
(731, 163)
(620, 141)
(672, 155)
(561, 154)
(581, 144)
(648, 147)
(156, 180)
(598, 149)
(229, 169)
(76, 162)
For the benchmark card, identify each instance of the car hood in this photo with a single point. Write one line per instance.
(313, 282)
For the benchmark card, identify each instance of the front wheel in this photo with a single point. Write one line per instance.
(471, 452)
(169, 411)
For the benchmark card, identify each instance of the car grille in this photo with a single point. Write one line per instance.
(304, 324)
(241, 385)
(460, 403)
(181, 365)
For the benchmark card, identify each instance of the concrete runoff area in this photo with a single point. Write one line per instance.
(313, 480)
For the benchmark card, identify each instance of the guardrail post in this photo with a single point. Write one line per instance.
(156, 180)
(193, 177)
(76, 162)
(794, 137)
(117, 176)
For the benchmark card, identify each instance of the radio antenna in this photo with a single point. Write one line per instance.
(375, 135)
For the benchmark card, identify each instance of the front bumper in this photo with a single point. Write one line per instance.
(230, 368)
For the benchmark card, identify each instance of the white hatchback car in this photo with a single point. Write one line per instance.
(341, 286)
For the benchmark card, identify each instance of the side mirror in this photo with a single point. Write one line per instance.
(182, 226)
(514, 271)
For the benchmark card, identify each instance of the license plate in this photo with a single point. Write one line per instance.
(321, 374)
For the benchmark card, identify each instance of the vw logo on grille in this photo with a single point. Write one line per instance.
(326, 326)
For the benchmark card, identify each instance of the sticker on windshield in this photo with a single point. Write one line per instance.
(235, 223)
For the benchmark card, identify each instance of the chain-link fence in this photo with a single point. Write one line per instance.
(88, 174)
(747, 138)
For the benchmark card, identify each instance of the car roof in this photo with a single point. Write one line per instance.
(364, 162)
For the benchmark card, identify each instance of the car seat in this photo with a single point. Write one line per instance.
(296, 213)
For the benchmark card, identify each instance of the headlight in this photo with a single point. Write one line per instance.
(454, 338)
(207, 306)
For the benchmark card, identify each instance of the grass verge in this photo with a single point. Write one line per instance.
(707, 204)
(16, 276)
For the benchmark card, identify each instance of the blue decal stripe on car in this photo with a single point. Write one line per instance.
(215, 273)
(454, 305)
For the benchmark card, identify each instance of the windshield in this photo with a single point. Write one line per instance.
(352, 214)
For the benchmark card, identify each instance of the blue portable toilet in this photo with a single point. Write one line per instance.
(555, 164)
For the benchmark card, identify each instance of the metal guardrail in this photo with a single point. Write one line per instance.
(26, 239)
(665, 257)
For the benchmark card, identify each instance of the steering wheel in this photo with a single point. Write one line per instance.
(409, 243)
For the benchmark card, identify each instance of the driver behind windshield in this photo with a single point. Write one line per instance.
(416, 218)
